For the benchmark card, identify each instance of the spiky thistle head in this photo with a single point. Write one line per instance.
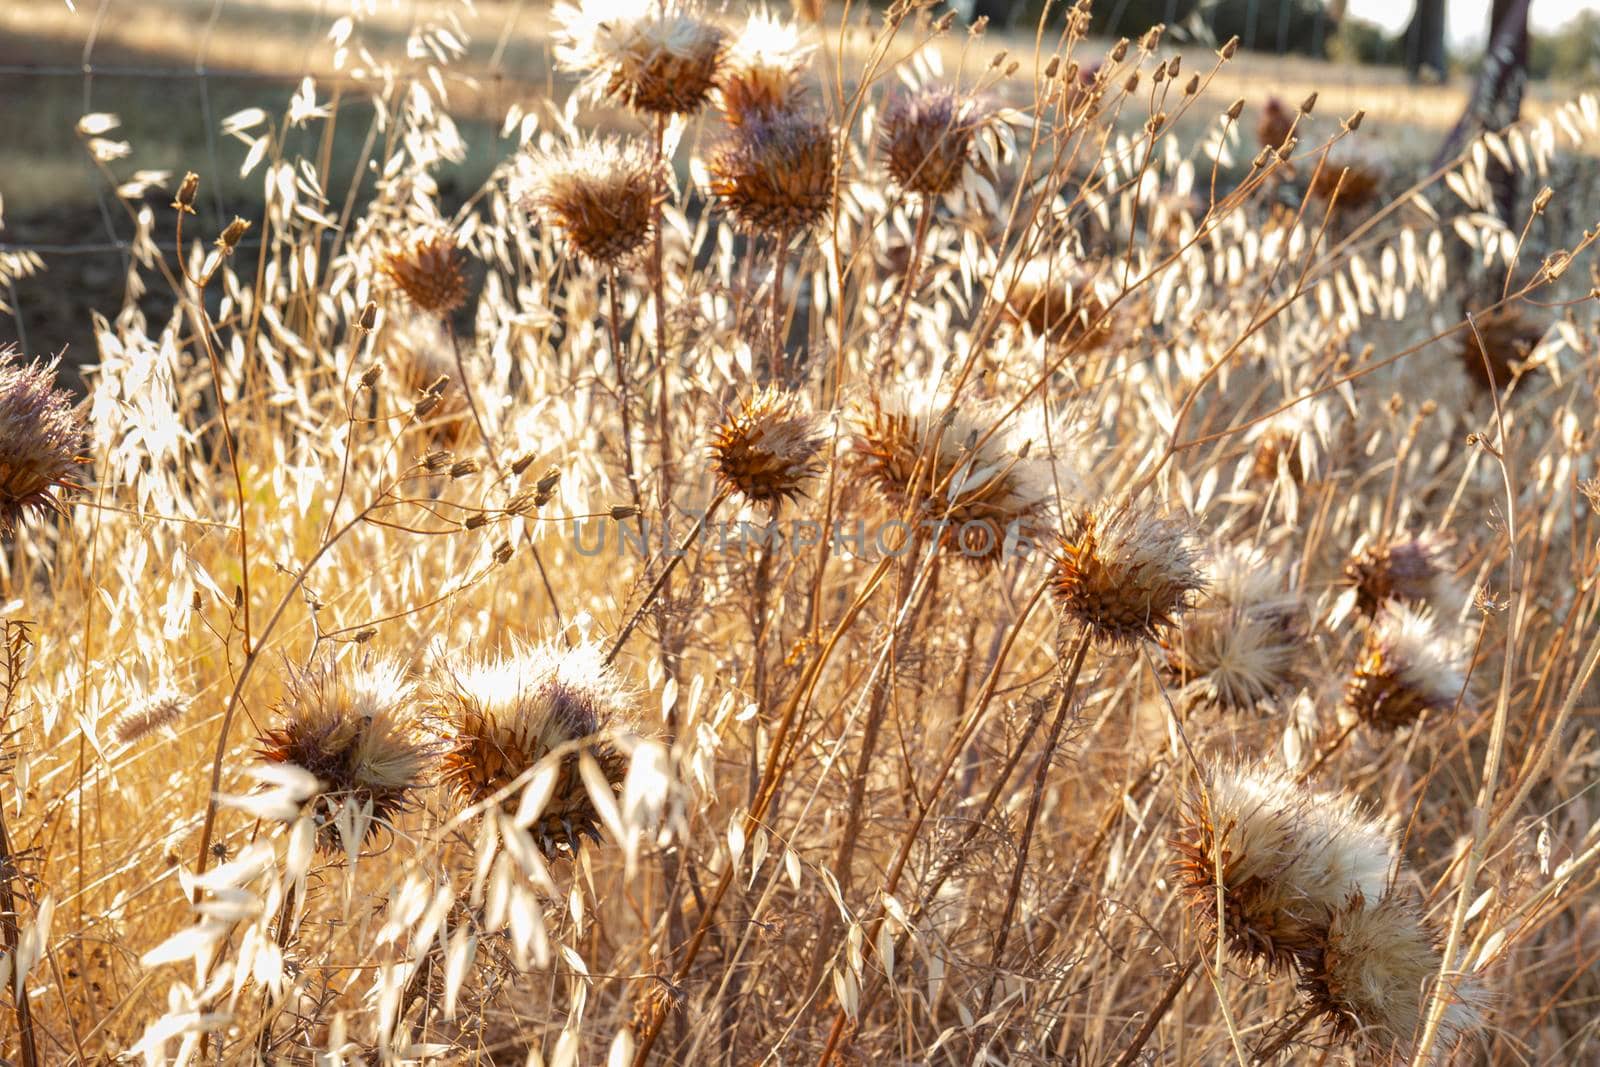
(769, 448)
(1353, 174)
(1494, 349)
(660, 59)
(1054, 296)
(1124, 572)
(1370, 979)
(1414, 570)
(926, 136)
(356, 728)
(1283, 856)
(763, 73)
(774, 174)
(148, 714)
(973, 486)
(1242, 644)
(601, 194)
(428, 269)
(501, 715)
(40, 438)
(1406, 668)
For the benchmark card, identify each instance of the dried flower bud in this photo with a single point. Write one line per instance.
(184, 201)
(370, 376)
(425, 405)
(546, 486)
(1542, 201)
(1353, 123)
(997, 59)
(1052, 67)
(1193, 87)
(1229, 48)
(979, 24)
(1174, 65)
(1235, 109)
(1131, 83)
(1119, 51)
(367, 321)
(462, 468)
(476, 521)
(231, 235)
(521, 502)
(523, 462)
(503, 552)
(1308, 103)
(942, 25)
(1151, 38)
(364, 635)
(438, 460)
(620, 512)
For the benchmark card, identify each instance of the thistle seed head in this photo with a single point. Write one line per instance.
(600, 194)
(1503, 339)
(1357, 169)
(931, 460)
(926, 138)
(775, 174)
(356, 727)
(1054, 296)
(764, 70)
(1287, 858)
(769, 448)
(428, 270)
(502, 715)
(1125, 573)
(1415, 571)
(659, 60)
(1406, 668)
(1371, 976)
(40, 439)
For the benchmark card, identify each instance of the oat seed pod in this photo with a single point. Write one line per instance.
(775, 174)
(601, 195)
(428, 270)
(1371, 976)
(769, 448)
(502, 715)
(1405, 669)
(1287, 857)
(926, 138)
(40, 439)
(1125, 573)
(982, 494)
(659, 59)
(764, 71)
(356, 727)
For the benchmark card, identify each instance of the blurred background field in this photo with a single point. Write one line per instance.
(172, 70)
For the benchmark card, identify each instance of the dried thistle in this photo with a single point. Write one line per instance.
(1242, 645)
(977, 491)
(1124, 572)
(600, 194)
(1354, 167)
(1405, 669)
(775, 173)
(1370, 976)
(1415, 571)
(1494, 354)
(657, 58)
(1284, 858)
(926, 138)
(1276, 124)
(40, 437)
(502, 715)
(355, 727)
(428, 270)
(763, 71)
(769, 448)
(1054, 296)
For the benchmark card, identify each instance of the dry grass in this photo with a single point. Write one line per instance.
(344, 721)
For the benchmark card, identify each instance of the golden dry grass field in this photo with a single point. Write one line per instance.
(623, 532)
